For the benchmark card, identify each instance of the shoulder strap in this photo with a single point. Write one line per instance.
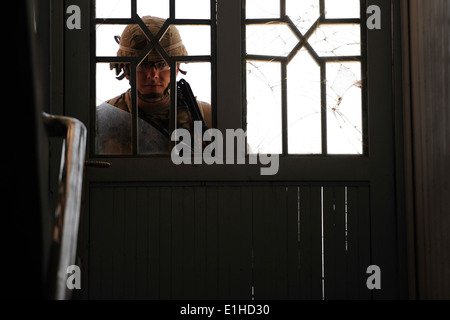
(153, 123)
(184, 93)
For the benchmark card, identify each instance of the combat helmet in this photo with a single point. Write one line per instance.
(133, 41)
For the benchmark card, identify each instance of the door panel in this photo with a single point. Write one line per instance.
(224, 241)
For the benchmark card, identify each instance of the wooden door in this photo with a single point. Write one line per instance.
(152, 229)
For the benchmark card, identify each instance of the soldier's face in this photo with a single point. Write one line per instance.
(152, 79)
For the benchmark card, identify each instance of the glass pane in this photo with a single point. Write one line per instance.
(257, 9)
(264, 107)
(270, 39)
(155, 8)
(342, 9)
(344, 105)
(303, 13)
(199, 78)
(112, 9)
(337, 40)
(106, 45)
(196, 39)
(113, 125)
(303, 85)
(107, 86)
(192, 9)
(304, 105)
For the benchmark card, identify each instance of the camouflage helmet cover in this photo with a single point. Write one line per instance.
(134, 40)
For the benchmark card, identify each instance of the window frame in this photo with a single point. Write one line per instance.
(229, 63)
(172, 60)
(321, 61)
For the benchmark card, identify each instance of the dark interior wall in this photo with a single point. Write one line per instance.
(26, 211)
(427, 122)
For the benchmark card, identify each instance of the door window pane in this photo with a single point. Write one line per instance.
(318, 97)
(125, 63)
(304, 116)
(112, 9)
(342, 9)
(337, 40)
(106, 43)
(270, 40)
(344, 108)
(115, 125)
(257, 9)
(193, 9)
(156, 8)
(264, 107)
(303, 13)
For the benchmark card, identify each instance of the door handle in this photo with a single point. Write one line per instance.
(97, 164)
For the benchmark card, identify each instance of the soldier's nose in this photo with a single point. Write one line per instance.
(152, 72)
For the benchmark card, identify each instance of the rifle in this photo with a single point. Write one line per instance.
(186, 97)
(185, 94)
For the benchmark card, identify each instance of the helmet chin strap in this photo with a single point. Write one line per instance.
(155, 97)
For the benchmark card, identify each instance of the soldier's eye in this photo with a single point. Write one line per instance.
(162, 65)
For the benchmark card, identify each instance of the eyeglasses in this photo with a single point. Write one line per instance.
(145, 66)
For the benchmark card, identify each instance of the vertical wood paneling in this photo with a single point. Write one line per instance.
(188, 253)
(143, 284)
(212, 254)
(293, 251)
(358, 242)
(310, 246)
(225, 202)
(105, 252)
(334, 242)
(118, 243)
(95, 246)
(354, 272)
(101, 266)
(364, 235)
(154, 240)
(200, 256)
(216, 242)
(234, 244)
(261, 243)
(129, 256)
(165, 247)
(270, 242)
(346, 242)
(279, 217)
(177, 243)
(243, 246)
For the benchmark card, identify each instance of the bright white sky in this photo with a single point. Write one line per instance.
(343, 137)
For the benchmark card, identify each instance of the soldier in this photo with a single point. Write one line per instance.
(153, 86)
